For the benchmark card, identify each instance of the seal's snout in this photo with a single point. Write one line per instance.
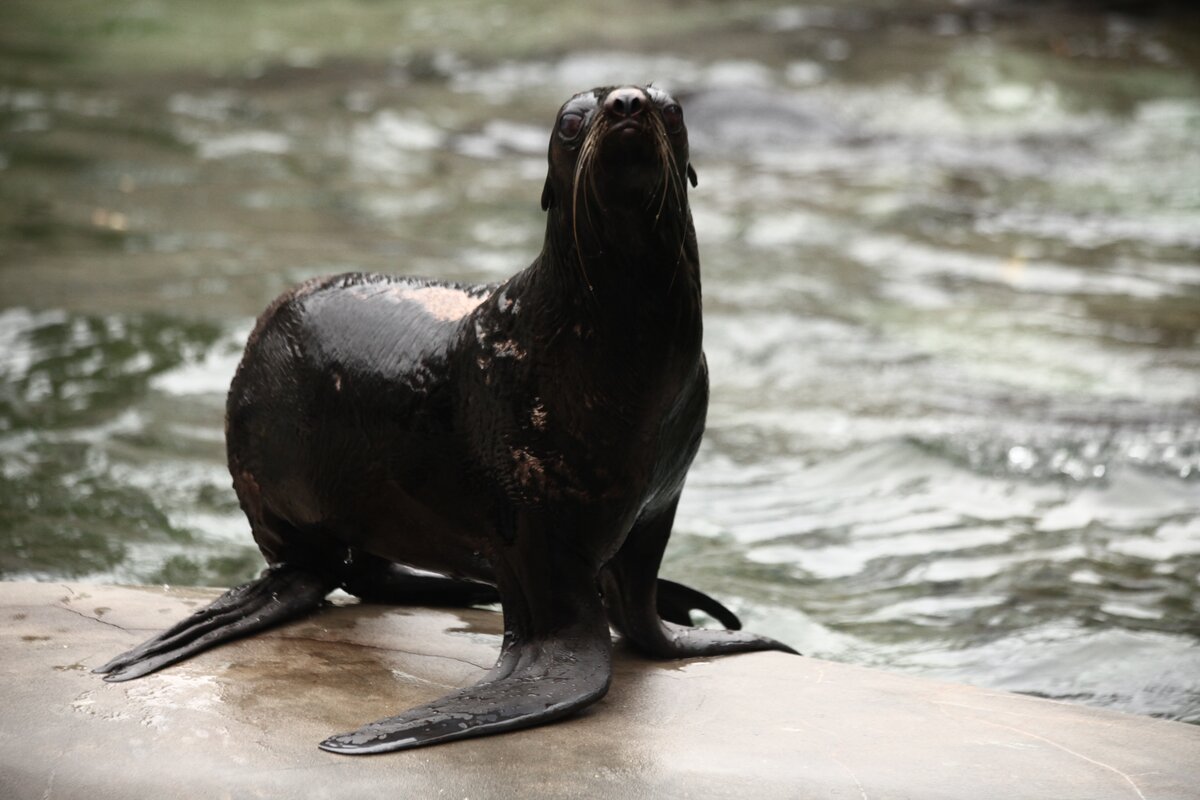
(627, 102)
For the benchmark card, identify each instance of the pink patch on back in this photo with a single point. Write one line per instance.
(441, 302)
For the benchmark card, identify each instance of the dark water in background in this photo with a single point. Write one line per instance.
(952, 274)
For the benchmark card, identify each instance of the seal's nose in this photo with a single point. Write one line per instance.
(625, 103)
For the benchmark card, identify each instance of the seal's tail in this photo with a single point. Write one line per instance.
(281, 593)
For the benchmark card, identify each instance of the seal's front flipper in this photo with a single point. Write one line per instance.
(556, 657)
(676, 603)
(551, 680)
(280, 594)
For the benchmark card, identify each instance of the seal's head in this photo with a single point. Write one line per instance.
(619, 149)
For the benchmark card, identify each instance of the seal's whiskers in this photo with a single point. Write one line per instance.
(667, 159)
(584, 174)
(675, 182)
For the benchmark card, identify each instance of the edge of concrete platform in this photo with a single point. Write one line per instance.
(243, 720)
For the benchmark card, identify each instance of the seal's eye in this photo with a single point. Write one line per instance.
(673, 118)
(569, 126)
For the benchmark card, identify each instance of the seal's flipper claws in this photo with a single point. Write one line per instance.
(280, 594)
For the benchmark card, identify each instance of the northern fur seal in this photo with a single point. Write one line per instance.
(532, 437)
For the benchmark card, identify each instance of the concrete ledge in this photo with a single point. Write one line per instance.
(244, 720)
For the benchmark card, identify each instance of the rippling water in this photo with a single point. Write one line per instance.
(952, 291)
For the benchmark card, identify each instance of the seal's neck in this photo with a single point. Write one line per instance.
(623, 262)
(630, 310)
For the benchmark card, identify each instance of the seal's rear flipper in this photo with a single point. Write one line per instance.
(676, 602)
(280, 594)
(377, 580)
(630, 585)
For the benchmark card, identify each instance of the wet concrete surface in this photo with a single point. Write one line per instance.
(244, 720)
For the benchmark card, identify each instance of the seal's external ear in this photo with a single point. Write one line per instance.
(691, 177)
(548, 194)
